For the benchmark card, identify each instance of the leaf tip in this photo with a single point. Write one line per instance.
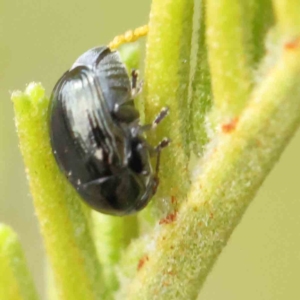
(35, 91)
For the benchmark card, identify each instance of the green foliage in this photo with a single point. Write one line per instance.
(238, 124)
(64, 221)
(15, 281)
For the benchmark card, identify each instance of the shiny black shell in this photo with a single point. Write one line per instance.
(95, 137)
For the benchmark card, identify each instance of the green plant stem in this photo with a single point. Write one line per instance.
(228, 52)
(185, 251)
(112, 236)
(63, 218)
(15, 280)
(166, 84)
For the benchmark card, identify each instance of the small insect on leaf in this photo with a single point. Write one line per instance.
(96, 136)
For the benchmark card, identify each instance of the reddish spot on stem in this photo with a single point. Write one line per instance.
(170, 218)
(291, 45)
(173, 199)
(142, 261)
(229, 127)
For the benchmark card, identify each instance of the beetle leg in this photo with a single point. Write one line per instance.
(136, 87)
(155, 151)
(162, 144)
(134, 77)
(162, 114)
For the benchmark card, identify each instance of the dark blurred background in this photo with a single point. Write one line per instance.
(39, 40)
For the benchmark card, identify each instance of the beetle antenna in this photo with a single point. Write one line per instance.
(128, 37)
(134, 77)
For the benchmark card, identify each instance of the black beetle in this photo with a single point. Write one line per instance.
(96, 136)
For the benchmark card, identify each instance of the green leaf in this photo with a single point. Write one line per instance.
(228, 56)
(15, 281)
(201, 94)
(254, 124)
(260, 20)
(167, 74)
(181, 253)
(64, 221)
